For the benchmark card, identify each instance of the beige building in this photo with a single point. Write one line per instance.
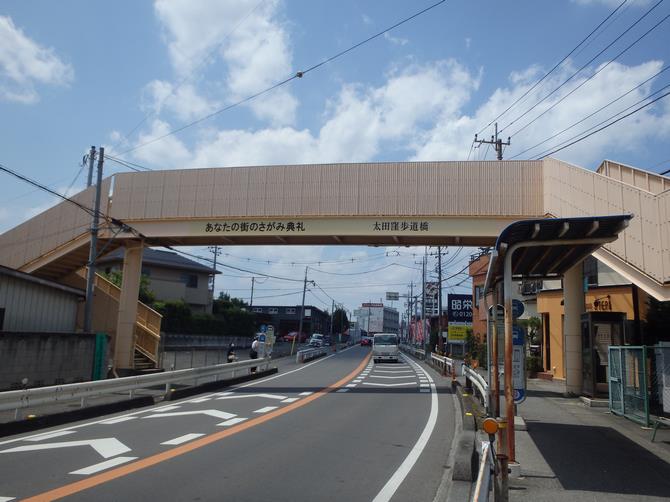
(171, 277)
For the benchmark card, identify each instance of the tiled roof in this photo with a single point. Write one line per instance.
(166, 259)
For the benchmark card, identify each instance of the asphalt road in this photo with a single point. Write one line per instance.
(339, 428)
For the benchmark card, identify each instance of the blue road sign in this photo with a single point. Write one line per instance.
(261, 338)
(264, 328)
(519, 396)
(517, 308)
(518, 335)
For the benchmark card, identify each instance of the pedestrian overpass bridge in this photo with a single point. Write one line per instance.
(392, 203)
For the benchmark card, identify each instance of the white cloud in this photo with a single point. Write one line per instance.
(24, 63)
(246, 36)
(184, 100)
(395, 40)
(168, 153)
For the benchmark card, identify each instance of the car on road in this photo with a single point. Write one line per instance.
(385, 347)
(366, 341)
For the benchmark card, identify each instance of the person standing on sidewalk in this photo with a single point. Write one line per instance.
(253, 352)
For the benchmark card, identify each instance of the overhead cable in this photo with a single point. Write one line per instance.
(282, 82)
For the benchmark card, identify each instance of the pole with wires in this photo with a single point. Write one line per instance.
(92, 255)
(302, 311)
(251, 300)
(426, 336)
(91, 158)
(439, 299)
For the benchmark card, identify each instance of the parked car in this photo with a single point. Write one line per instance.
(292, 335)
(366, 341)
(316, 340)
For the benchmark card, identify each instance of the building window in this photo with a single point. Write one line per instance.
(258, 310)
(478, 295)
(591, 271)
(273, 310)
(290, 310)
(191, 280)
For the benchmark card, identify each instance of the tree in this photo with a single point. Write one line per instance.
(224, 303)
(340, 320)
(533, 327)
(146, 296)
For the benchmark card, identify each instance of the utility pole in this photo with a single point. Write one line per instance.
(411, 301)
(496, 142)
(440, 341)
(251, 301)
(91, 158)
(302, 311)
(332, 312)
(426, 336)
(216, 252)
(93, 251)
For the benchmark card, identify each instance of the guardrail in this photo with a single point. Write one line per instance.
(420, 353)
(308, 354)
(484, 474)
(19, 399)
(446, 365)
(472, 377)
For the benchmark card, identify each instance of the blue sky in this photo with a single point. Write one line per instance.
(75, 74)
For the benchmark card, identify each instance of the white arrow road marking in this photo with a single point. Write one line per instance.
(393, 377)
(212, 413)
(48, 435)
(107, 447)
(92, 469)
(200, 400)
(117, 420)
(290, 400)
(241, 396)
(182, 439)
(232, 421)
(167, 408)
(389, 384)
(266, 409)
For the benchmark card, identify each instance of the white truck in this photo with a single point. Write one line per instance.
(385, 347)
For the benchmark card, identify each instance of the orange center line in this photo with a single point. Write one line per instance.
(124, 470)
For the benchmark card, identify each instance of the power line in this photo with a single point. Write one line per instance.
(592, 76)
(608, 125)
(584, 66)
(591, 114)
(130, 165)
(606, 120)
(298, 74)
(554, 68)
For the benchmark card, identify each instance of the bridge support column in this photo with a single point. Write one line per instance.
(573, 303)
(124, 346)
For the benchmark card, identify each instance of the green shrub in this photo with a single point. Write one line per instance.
(534, 364)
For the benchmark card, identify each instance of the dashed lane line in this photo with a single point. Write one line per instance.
(266, 409)
(103, 466)
(182, 439)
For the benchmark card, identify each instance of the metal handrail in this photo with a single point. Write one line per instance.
(447, 364)
(17, 399)
(479, 382)
(413, 350)
(308, 354)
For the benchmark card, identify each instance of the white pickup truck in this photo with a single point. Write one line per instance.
(385, 347)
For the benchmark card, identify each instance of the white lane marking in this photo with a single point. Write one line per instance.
(107, 447)
(305, 393)
(112, 462)
(342, 390)
(158, 409)
(182, 439)
(424, 390)
(232, 421)
(167, 408)
(394, 377)
(395, 371)
(377, 384)
(6, 499)
(399, 475)
(290, 400)
(358, 380)
(266, 409)
(117, 420)
(49, 435)
(242, 396)
(211, 413)
(200, 400)
(350, 385)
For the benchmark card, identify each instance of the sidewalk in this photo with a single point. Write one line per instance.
(572, 452)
